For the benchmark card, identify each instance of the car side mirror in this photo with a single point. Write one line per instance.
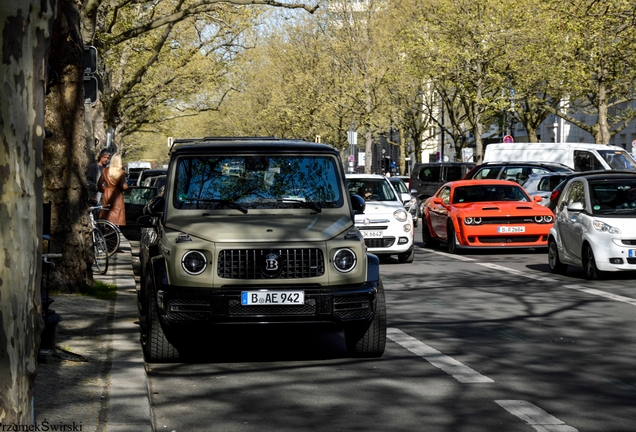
(439, 201)
(145, 221)
(155, 206)
(405, 197)
(576, 207)
(537, 198)
(357, 204)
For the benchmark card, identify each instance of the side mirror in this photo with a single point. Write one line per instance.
(576, 207)
(145, 221)
(357, 204)
(405, 197)
(155, 206)
(438, 200)
(537, 198)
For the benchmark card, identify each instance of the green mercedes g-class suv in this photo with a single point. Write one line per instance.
(255, 231)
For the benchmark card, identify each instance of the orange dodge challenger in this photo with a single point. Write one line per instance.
(485, 214)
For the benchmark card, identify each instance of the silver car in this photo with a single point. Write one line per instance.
(411, 202)
(543, 184)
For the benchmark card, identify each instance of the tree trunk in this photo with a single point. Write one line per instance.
(25, 27)
(65, 158)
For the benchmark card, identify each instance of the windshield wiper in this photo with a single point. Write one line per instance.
(220, 201)
(305, 204)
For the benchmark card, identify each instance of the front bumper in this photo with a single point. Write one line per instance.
(614, 255)
(329, 307)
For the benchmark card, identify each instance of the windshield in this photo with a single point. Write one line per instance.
(372, 189)
(258, 182)
(618, 159)
(613, 196)
(486, 193)
(399, 185)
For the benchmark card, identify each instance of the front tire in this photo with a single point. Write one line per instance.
(556, 266)
(589, 263)
(370, 341)
(451, 243)
(111, 234)
(157, 347)
(100, 251)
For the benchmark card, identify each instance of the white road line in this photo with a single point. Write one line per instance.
(600, 293)
(447, 255)
(457, 370)
(518, 272)
(535, 416)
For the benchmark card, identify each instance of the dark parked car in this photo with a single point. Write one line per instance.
(427, 178)
(515, 171)
(135, 199)
(150, 173)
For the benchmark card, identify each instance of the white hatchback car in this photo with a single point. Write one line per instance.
(386, 226)
(595, 224)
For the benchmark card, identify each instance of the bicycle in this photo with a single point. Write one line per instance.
(110, 231)
(100, 248)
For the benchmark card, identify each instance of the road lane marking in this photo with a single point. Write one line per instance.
(518, 272)
(447, 255)
(457, 370)
(539, 419)
(600, 293)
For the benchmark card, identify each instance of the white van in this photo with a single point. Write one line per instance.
(578, 156)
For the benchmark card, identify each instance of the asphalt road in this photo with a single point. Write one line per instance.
(488, 341)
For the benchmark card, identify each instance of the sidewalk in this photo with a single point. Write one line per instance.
(97, 381)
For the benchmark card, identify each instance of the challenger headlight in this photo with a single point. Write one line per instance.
(603, 227)
(344, 260)
(194, 262)
(472, 220)
(401, 215)
(543, 219)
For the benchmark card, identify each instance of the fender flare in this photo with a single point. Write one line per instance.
(373, 269)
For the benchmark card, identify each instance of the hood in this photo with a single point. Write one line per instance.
(502, 207)
(263, 228)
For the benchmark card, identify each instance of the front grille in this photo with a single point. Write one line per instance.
(187, 309)
(508, 239)
(372, 228)
(246, 263)
(352, 306)
(508, 220)
(385, 242)
(631, 260)
(235, 308)
(629, 242)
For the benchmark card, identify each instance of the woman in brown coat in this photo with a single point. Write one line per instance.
(112, 184)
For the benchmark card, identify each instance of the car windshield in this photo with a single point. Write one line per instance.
(372, 189)
(257, 182)
(487, 193)
(618, 159)
(399, 185)
(613, 196)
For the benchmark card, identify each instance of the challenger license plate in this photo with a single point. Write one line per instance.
(372, 234)
(511, 229)
(250, 298)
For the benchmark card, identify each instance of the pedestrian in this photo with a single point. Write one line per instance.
(93, 173)
(112, 183)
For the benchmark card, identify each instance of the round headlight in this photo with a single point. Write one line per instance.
(401, 215)
(344, 260)
(468, 221)
(547, 219)
(538, 219)
(193, 262)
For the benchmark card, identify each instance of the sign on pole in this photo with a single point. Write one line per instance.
(508, 139)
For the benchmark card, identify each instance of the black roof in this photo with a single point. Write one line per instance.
(245, 145)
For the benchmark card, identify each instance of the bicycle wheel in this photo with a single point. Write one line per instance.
(111, 235)
(100, 251)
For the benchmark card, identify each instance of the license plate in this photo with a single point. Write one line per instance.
(250, 298)
(631, 253)
(372, 234)
(511, 229)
